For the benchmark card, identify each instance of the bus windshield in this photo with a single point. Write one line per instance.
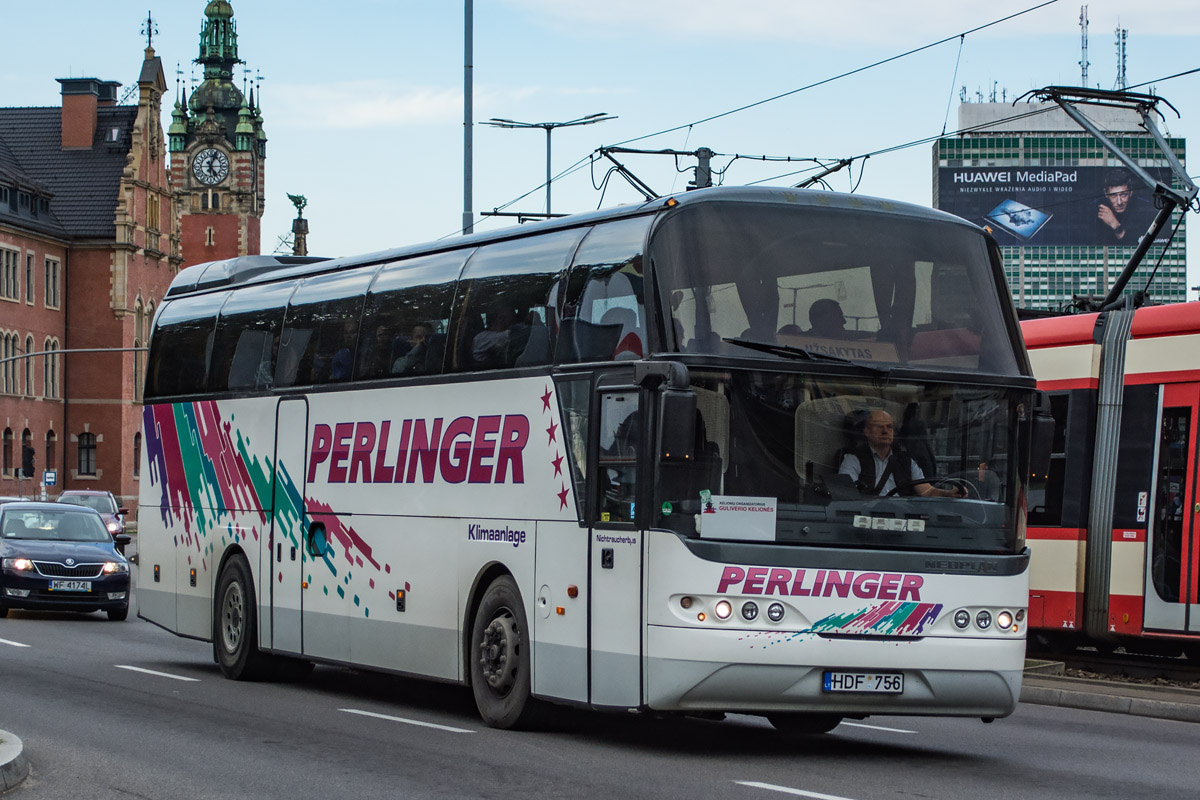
(810, 282)
(800, 450)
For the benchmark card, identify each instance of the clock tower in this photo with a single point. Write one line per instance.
(218, 151)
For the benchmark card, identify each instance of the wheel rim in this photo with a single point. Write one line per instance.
(498, 652)
(233, 618)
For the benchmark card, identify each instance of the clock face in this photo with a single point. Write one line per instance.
(210, 166)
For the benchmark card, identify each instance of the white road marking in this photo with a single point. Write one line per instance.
(788, 790)
(406, 721)
(874, 727)
(12, 644)
(159, 674)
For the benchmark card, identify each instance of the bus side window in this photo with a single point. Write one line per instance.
(246, 338)
(320, 331)
(573, 398)
(406, 317)
(605, 313)
(181, 346)
(505, 314)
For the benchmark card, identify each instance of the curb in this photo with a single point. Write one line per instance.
(14, 766)
(1116, 704)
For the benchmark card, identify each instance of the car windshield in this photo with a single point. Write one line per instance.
(54, 526)
(99, 502)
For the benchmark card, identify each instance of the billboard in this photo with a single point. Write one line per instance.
(1035, 206)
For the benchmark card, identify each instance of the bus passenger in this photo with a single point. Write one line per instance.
(878, 468)
(414, 359)
(827, 319)
(489, 347)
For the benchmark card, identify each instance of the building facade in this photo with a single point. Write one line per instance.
(89, 242)
(218, 152)
(1065, 211)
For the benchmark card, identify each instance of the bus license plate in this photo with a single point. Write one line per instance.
(70, 586)
(877, 682)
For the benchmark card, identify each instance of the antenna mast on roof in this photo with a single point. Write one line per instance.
(1083, 62)
(1122, 35)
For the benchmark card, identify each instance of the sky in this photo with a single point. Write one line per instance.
(362, 100)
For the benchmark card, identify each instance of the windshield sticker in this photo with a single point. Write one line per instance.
(744, 518)
(841, 348)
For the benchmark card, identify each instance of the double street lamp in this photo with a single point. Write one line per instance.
(549, 127)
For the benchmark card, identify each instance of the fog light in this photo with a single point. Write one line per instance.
(962, 618)
(685, 602)
(984, 620)
(750, 611)
(702, 616)
(1004, 620)
(775, 612)
(116, 595)
(1020, 615)
(17, 592)
(723, 609)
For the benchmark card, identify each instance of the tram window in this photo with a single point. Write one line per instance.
(406, 316)
(506, 314)
(320, 331)
(1046, 491)
(605, 316)
(246, 338)
(1167, 568)
(182, 344)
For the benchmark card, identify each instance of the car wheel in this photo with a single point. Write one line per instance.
(235, 625)
(804, 724)
(118, 614)
(499, 657)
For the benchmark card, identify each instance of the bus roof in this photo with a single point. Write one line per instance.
(253, 269)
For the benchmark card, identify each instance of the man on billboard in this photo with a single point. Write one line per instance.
(1124, 216)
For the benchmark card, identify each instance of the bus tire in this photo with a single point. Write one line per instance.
(799, 724)
(500, 657)
(235, 625)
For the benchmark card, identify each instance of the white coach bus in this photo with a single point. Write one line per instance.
(611, 460)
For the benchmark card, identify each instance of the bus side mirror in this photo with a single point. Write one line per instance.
(676, 425)
(1041, 436)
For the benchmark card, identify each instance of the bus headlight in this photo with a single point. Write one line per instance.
(775, 612)
(984, 619)
(723, 609)
(1004, 620)
(749, 611)
(962, 618)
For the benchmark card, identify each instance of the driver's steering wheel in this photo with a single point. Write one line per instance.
(967, 486)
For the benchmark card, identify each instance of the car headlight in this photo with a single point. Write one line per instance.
(18, 564)
(114, 527)
(115, 567)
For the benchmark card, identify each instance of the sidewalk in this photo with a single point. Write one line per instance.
(1042, 686)
(13, 764)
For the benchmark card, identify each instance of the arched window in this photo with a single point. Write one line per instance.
(6, 367)
(8, 443)
(137, 454)
(26, 441)
(28, 366)
(87, 454)
(51, 448)
(50, 367)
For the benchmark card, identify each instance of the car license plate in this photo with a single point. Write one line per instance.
(70, 586)
(877, 682)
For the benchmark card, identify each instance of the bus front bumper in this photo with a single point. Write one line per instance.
(784, 672)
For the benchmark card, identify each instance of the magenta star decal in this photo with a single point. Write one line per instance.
(562, 497)
(546, 400)
(552, 430)
(557, 465)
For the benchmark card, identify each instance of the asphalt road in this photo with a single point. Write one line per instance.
(126, 710)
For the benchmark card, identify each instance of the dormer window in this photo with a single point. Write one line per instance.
(113, 135)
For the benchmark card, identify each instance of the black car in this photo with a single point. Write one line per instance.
(60, 557)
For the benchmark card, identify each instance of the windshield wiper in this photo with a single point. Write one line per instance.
(801, 353)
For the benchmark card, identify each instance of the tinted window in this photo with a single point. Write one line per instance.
(321, 329)
(605, 313)
(246, 339)
(180, 346)
(506, 311)
(406, 316)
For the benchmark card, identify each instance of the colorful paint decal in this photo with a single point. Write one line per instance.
(885, 619)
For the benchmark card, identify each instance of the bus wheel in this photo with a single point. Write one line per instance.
(499, 656)
(804, 724)
(235, 625)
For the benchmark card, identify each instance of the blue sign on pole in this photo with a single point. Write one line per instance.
(50, 477)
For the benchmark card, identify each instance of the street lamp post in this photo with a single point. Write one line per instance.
(549, 127)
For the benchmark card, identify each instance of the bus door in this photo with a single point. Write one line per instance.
(286, 560)
(1174, 530)
(616, 551)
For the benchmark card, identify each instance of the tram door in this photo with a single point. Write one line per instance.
(1173, 563)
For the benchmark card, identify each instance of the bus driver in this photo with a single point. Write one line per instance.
(878, 468)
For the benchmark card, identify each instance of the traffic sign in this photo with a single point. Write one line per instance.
(50, 477)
